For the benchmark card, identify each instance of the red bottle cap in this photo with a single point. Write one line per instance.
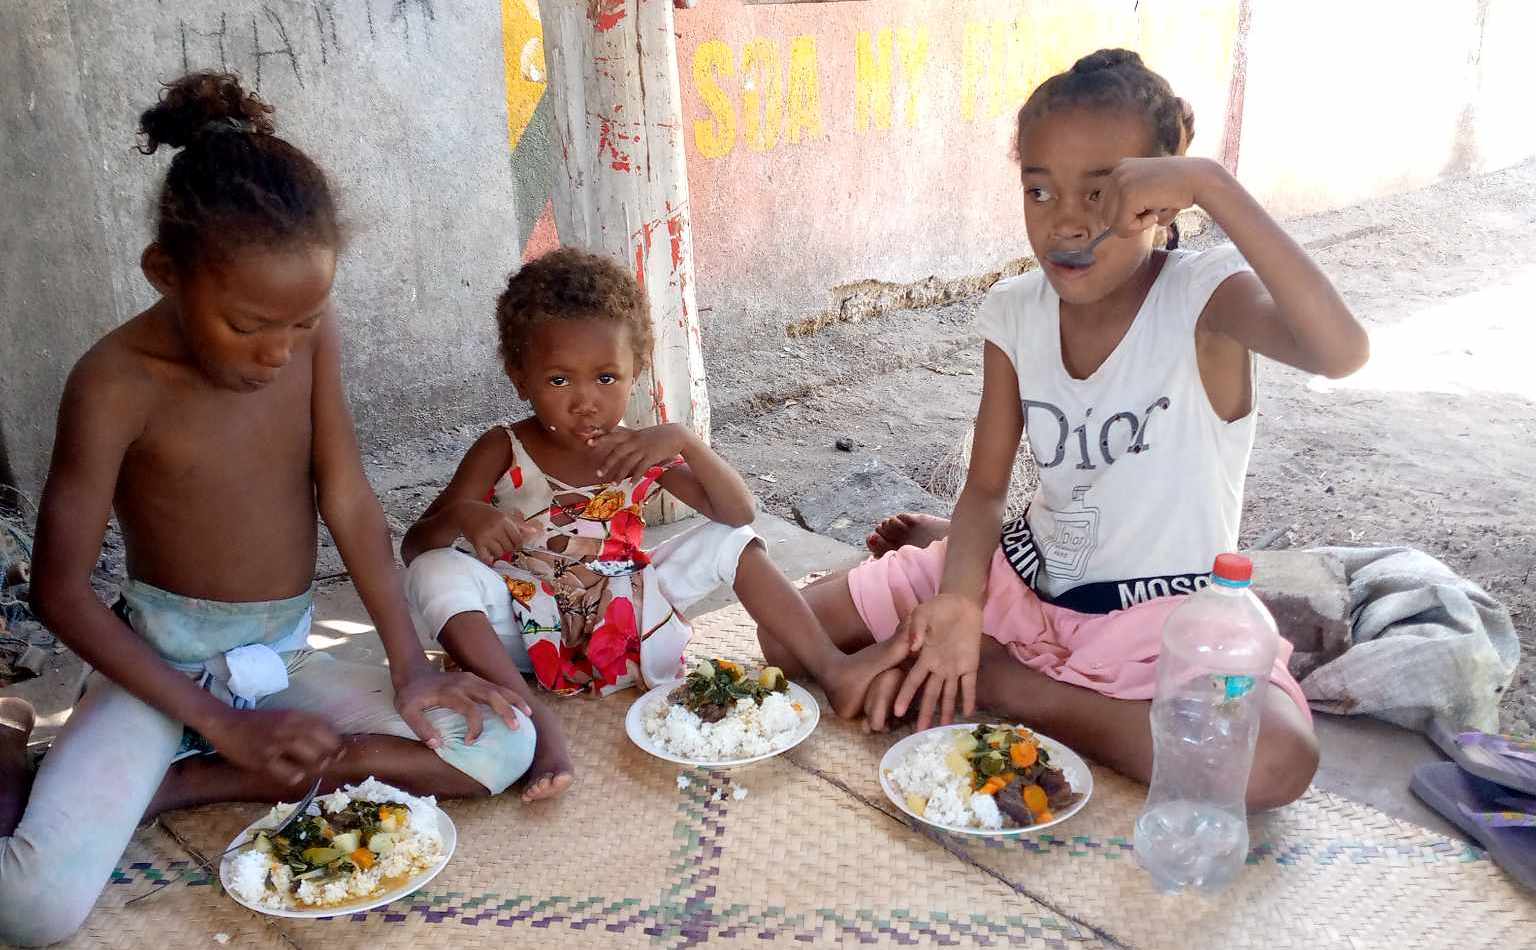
(1234, 568)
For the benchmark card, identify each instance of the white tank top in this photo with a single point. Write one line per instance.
(1141, 482)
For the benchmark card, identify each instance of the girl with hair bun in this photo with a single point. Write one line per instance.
(215, 426)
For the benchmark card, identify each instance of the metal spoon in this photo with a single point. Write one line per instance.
(1082, 257)
(293, 816)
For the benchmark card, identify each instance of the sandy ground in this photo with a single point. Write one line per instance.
(1432, 445)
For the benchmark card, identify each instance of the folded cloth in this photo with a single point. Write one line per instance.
(1426, 644)
(257, 671)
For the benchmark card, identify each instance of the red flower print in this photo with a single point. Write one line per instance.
(614, 640)
(626, 533)
(546, 659)
(643, 487)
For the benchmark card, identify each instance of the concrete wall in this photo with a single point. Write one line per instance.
(837, 152)
(836, 147)
(443, 167)
(898, 172)
(1350, 101)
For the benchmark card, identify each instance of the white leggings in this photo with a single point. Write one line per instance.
(95, 783)
(445, 582)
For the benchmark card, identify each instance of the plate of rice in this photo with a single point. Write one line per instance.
(355, 849)
(988, 779)
(721, 716)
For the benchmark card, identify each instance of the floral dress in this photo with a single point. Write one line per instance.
(585, 595)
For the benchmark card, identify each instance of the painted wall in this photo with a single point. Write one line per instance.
(835, 144)
(838, 147)
(1350, 101)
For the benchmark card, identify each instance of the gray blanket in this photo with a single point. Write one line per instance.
(1426, 644)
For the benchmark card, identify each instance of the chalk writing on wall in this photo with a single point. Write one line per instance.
(294, 41)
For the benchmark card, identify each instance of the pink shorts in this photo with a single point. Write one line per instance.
(1113, 654)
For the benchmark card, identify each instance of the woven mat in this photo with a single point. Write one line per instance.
(815, 854)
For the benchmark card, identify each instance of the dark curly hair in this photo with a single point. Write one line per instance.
(234, 183)
(1115, 79)
(570, 284)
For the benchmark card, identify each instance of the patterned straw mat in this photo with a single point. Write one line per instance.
(816, 855)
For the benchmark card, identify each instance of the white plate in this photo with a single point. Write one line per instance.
(1070, 763)
(634, 726)
(409, 886)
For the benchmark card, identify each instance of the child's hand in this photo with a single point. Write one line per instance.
(463, 693)
(285, 745)
(493, 533)
(1146, 192)
(947, 632)
(627, 453)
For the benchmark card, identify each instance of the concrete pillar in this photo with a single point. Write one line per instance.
(621, 184)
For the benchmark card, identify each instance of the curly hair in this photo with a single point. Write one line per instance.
(1115, 79)
(234, 182)
(570, 284)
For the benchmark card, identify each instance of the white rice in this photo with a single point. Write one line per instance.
(258, 878)
(247, 876)
(950, 800)
(747, 731)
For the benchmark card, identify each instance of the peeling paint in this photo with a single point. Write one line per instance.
(606, 14)
(675, 232)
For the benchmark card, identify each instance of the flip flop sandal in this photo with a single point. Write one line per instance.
(1503, 759)
(1501, 820)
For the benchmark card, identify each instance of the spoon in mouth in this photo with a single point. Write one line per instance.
(1082, 257)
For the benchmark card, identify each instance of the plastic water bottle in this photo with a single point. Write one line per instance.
(1212, 674)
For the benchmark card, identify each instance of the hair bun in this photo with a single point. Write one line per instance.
(1106, 59)
(199, 104)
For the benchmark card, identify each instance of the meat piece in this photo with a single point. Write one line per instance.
(712, 712)
(1058, 791)
(679, 695)
(1011, 802)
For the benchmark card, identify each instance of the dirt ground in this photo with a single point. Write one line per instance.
(1432, 445)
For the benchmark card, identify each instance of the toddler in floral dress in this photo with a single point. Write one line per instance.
(559, 584)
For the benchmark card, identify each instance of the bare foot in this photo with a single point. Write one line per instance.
(17, 719)
(847, 685)
(551, 771)
(908, 529)
(878, 714)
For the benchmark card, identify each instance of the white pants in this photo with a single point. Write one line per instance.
(445, 582)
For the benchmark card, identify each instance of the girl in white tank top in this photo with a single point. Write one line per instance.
(1132, 377)
(1141, 478)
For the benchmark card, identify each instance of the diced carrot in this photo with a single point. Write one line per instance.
(363, 858)
(1035, 799)
(1023, 754)
(993, 785)
(1041, 817)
